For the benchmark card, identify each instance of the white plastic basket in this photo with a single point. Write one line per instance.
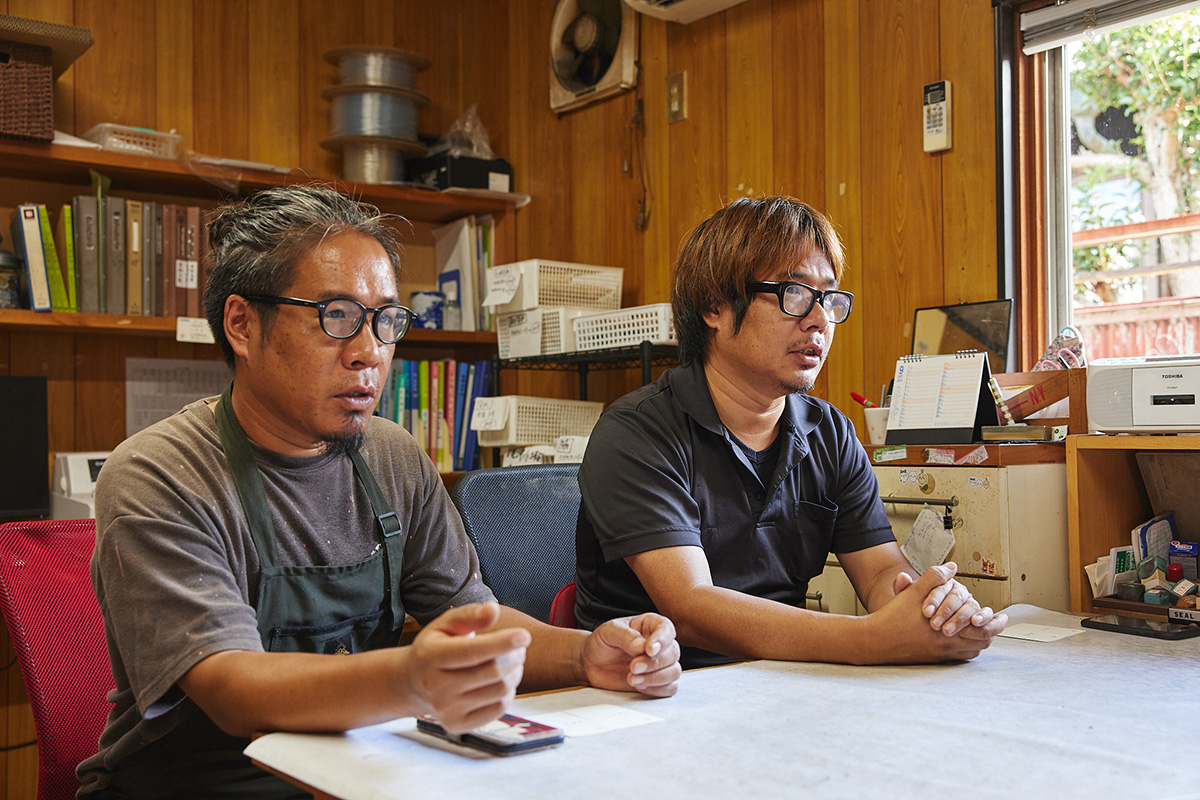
(123, 139)
(541, 420)
(558, 335)
(562, 283)
(625, 328)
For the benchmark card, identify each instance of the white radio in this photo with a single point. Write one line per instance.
(1148, 394)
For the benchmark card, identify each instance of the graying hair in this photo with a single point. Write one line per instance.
(256, 243)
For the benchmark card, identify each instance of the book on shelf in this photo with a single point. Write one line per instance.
(187, 268)
(460, 408)
(87, 252)
(485, 229)
(27, 243)
(454, 249)
(114, 256)
(133, 257)
(1021, 432)
(64, 238)
(60, 300)
(151, 288)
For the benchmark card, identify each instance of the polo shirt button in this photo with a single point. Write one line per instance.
(758, 496)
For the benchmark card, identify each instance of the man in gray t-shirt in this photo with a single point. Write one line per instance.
(248, 542)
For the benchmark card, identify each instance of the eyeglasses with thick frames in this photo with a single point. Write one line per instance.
(342, 318)
(797, 299)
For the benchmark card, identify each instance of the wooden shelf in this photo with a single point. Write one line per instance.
(67, 165)
(21, 320)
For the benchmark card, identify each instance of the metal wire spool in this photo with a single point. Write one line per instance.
(372, 159)
(368, 65)
(374, 111)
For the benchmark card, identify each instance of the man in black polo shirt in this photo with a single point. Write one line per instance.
(714, 494)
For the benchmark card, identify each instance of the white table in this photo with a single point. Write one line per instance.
(1095, 715)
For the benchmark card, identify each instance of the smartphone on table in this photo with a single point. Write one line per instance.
(506, 736)
(1141, 627)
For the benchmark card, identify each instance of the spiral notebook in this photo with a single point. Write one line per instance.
(941, 399)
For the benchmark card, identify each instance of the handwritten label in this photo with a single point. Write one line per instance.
(186, 272)
(929, 543)
(490, 414)
(524, 331)
(935, 455)
(896, 453)
(193, 329)
(502, 283)
(976, 456)
(569, 449)
(525, 456)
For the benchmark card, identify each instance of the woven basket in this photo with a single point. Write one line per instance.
(26, 92)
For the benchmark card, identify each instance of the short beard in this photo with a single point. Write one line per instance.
(345, 445)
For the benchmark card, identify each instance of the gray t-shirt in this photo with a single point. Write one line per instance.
(175, 568)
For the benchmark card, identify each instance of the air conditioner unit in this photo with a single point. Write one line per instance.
(682, 11)
(593, 52)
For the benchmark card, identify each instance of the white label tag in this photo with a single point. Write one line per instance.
(193, 329)
(490, 414)
(502, 283)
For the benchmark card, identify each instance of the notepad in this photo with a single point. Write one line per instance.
(940, 399)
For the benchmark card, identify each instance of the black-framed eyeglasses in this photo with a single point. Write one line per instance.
(797, 299)
(342, 318)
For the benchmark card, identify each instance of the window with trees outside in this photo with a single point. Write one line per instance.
(1126, 275)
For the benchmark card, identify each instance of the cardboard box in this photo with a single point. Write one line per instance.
(444, 170)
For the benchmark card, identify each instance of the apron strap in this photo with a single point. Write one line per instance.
(248, 480)
(393, 544)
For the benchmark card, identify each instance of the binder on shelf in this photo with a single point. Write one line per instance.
(113, 299)
(87, 252)
(173, 299)
(151, 286)
(941, 399)
(133, 257)
(187, 268)
(27, 243)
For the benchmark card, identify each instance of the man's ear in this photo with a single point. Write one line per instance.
(712, 317)
(240, 323)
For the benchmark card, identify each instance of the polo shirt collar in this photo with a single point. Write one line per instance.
(801, 413)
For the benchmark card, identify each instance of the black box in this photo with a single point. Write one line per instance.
(444, 170)
(24, 448)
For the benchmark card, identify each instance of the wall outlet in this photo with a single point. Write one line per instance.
(677, 97)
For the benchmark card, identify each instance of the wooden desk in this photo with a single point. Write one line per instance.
(1086, 716)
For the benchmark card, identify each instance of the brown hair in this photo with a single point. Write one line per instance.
(741, 242)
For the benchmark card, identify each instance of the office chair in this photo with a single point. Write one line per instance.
(522, 522)
(58, 635)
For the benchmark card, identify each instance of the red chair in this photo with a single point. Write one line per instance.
(58, 635)
(562, 610)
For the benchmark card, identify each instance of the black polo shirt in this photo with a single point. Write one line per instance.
(661, 470)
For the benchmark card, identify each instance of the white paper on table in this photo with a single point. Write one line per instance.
(600, 718)
(1038, 633)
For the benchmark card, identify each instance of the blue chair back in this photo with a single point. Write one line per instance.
(522, 522)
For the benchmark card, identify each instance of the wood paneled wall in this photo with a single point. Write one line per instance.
(820, 99)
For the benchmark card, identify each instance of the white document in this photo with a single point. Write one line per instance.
(929, 542)
(524, 333)
(1038, 633)
(600, 718)
(489, 414)
(502, 283)
(454, 249)
(155, 388)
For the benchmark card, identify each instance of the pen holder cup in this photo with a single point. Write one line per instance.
(877, 420)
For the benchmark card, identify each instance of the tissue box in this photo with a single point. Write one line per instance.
(444, 170)
(1185, 554)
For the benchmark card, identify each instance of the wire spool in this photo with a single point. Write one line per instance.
(374, 111)
(372, 159)
(368, 65)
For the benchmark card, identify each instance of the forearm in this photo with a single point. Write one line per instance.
(736, 624)
(553, 658)
(246, 692)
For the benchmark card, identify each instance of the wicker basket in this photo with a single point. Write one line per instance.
(562, 283)
(558, 336)
(26, 92)
(136, 141)
(541, 420)
(627, 327)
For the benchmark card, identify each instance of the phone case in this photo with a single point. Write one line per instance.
(508, 735)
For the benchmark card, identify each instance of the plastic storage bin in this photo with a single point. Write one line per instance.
(558, 335)
(562, 283)
(136, 141)
(625, 328)
(541, 420)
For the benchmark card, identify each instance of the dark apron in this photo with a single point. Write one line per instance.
(339, 609)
